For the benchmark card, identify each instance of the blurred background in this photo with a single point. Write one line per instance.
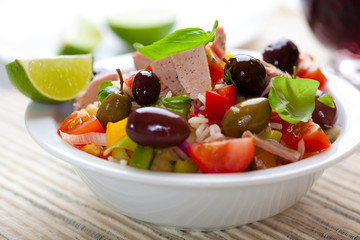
(39, 28)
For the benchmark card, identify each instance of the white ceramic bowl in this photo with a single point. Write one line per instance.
(199, 201)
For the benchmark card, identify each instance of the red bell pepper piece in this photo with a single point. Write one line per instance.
(215, 107)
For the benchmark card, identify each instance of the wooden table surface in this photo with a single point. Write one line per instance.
(41, 197)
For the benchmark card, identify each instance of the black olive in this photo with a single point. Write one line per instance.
(248, 74)
(323, 115)
(157, 127)
(283, 54)
(145, 88)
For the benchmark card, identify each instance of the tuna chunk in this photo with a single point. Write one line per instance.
(219, 43)
(271, 72)
(165, 70)
(193, 70)
(140, 61)
(89, 95)
(274, 147)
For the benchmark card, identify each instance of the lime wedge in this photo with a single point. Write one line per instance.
(145, 27)
(51, 80)
(81, 38)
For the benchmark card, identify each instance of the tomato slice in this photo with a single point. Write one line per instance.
(311, 133)
(307, 68)
(128, 81)
(80, 122)
(229, 92)
(215, 67)
(215, 107)
(225, 156)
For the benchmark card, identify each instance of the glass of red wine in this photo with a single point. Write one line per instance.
(336, 24)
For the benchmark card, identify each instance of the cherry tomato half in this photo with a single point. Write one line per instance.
(307, 68)
(225, 156)
(314, 137)
(80, 122)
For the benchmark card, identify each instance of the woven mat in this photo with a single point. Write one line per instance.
(43, 198)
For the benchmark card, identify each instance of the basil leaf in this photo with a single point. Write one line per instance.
(104, 84)
(106, 92)
(327, 100)
(178, 41)
(293, 99)
(228, 79)
(180, 104)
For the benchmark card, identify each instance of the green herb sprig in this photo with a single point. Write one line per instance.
(180, 104)
(178, 41)
(105, 89)
(293, 99)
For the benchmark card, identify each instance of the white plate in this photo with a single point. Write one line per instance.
(121, 187)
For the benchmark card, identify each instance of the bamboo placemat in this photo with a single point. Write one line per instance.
(41, 197)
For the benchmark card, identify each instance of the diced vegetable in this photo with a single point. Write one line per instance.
(120, 154)
(263, 160)
(92, 149)
(142, 157)
(185, 166)
(161, 164)
(124, 142)
(229, 92)
(272, 134)
(215, 107)
(115, 131)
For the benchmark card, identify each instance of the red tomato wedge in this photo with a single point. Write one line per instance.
(307, 68)
(215, 67)
(80, 122)
(128, 81)
(229, 92)
(314, 137)
(215, 107)
(225, 156)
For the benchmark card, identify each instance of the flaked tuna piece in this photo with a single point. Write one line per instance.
(219, 43)
(271, 72)
(274, 147)
(192, 69)
(165, 70)
(140, 61)
(89, 95)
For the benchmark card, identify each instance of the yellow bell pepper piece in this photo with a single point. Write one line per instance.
(115, 131)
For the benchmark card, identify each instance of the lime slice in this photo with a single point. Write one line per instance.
(50, 80)
(81, 38)
(145, 26)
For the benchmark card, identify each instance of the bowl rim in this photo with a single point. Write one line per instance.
(41, 116)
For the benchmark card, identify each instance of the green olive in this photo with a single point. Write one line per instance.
(113, 108)
(252, 114)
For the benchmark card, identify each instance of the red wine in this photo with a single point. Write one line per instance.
(336, 23)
